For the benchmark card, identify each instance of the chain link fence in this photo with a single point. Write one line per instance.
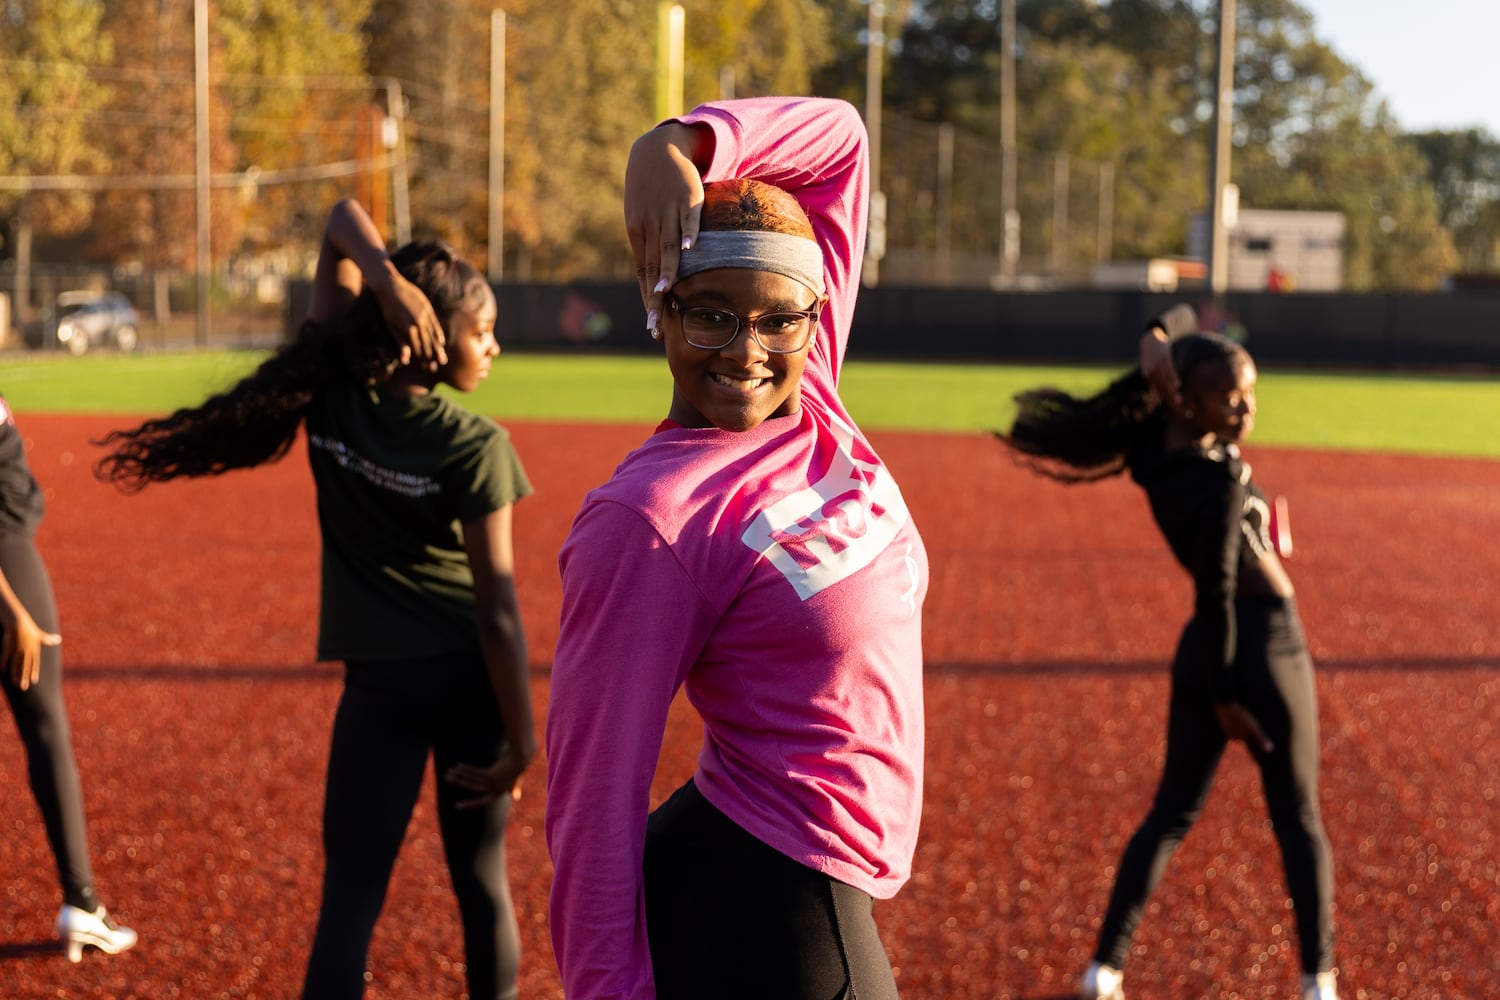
(944, 222)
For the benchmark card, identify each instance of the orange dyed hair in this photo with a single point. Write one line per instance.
(753, 206)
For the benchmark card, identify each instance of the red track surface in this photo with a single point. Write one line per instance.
(201, 725)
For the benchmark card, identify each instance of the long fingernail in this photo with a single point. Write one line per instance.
(652, 318)
(662, 286)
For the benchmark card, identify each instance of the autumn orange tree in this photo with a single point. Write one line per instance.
(49, 108)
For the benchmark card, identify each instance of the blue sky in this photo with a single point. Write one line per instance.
(1436, 62)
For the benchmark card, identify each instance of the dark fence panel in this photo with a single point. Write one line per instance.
(1450, 330)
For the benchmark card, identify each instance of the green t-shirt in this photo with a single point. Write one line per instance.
(396, 479)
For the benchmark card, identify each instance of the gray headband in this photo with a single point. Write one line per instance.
(796, 257)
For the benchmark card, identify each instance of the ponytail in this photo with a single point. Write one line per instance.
(251, 424)
(256, 421)
(1076, 440)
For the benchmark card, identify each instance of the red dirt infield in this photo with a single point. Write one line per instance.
(201, 725)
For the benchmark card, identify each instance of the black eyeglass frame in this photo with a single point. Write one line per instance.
(742, 322)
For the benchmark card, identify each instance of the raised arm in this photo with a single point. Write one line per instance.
(663, 202)
(815, 148)
(1156, 350)
(352, 257)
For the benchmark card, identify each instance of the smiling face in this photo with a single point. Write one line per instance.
(1221, 398)
(471, 340)
(740, 385)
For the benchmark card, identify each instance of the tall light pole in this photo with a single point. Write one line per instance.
(669, 61)
(1218, 176)
(497, 146)
(874, 97)
(1010, 218)
(200, 100)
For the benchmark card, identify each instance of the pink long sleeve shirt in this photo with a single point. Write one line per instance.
(776, 573)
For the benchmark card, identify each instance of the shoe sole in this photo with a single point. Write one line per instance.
(75, 943)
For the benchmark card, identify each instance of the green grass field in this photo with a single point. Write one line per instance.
(1421, 414)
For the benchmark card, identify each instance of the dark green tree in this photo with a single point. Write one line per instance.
(1464, 169)
(1312, 133)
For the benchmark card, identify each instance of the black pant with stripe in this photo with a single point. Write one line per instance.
(42, 720)
(392, 715)
(1274, 677)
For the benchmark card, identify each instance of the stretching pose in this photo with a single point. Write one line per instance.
(756, 551)
(414, 501)
(32, 675)
(1242, 671)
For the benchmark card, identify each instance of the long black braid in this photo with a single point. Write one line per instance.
(1075, 440)
(256, 421)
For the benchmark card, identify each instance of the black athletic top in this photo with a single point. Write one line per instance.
(1213, 518)
(20, 498)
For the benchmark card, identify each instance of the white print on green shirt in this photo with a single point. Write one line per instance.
(403, 483)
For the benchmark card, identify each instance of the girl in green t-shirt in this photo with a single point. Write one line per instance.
(414, 502)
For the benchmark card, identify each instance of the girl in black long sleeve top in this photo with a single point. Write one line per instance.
(1242, 670)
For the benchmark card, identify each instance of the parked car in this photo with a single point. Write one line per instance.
(85, 320)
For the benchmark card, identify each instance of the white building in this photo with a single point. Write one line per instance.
(1271, 250)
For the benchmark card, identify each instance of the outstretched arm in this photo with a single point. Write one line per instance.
(353, 257)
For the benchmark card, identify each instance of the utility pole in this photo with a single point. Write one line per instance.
(874, 98)
(1104, 243)
(1010, 218)
(394, 137)
(1218, 178)
(497, 146)
(944, 206)
(200, 93)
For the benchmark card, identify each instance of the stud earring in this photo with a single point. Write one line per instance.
(656, 333)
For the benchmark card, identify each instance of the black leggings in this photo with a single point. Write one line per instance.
(1275, 678)
(785, 931)
(42, 720)
(392, 713)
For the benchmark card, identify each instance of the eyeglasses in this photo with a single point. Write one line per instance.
(711, 328)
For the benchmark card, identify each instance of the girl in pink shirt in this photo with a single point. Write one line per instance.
(756, 552)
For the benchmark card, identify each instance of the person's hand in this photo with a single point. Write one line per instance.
(1157, 367)
(663, 204)
(410, 318)
(489, 783)
(1239, 724)
(23, 642)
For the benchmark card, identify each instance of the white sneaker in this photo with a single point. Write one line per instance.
(78, 927)
(1323, 986)
(1101, 982)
